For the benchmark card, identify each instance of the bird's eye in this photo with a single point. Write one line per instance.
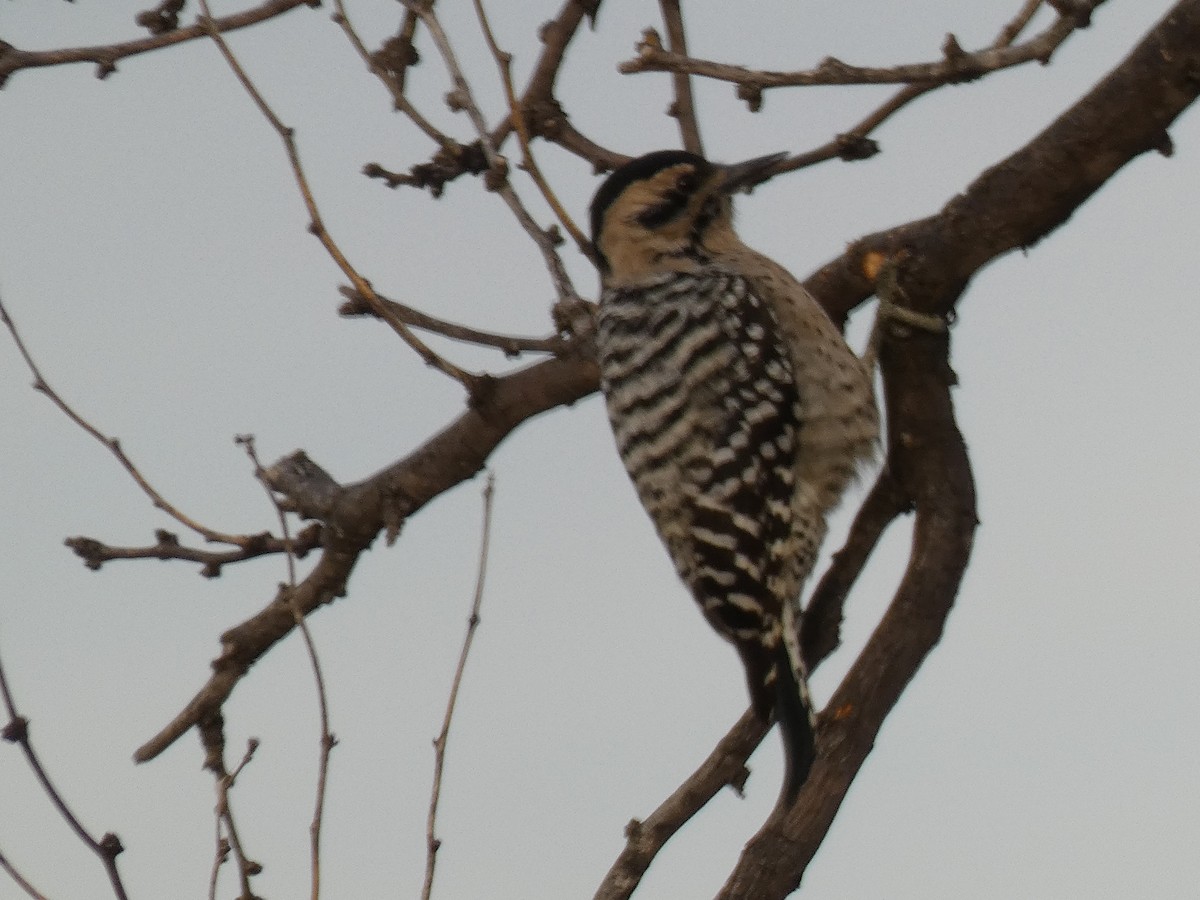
(660, 214)
(686, 183)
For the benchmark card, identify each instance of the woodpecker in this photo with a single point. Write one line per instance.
(739, 411)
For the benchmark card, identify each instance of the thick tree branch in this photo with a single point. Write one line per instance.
(382, 502)
(1020, 200)
(1013, 204)
(930, 464)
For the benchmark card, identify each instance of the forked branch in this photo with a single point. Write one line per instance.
(956, 64)
(316, 224)
(248, 544)
(106, 848)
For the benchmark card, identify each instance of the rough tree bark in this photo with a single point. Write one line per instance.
(1010, 206)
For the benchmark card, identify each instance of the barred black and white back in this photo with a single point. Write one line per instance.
(703, 402)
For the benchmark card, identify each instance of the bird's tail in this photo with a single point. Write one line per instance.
(794, 711)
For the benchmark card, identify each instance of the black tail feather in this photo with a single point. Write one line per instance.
(795, 725)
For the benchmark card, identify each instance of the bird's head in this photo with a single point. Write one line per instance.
(668, 210)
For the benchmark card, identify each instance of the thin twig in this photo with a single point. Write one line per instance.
(684, 107)
(497, 176)
(1011, 31)
(956, 64)
(408, 33)
(96, 553)
(433, 843)
(247, 868)
(393, 78)
(327, 740)
(114, 446)
(22, 883)
(543, 115)
(106, 57)
(517, 114)
(17, 732)
(855, 144)
(510, 345)
(219, 857)
(316, 223)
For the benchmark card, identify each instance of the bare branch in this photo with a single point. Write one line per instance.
(725, 766)
(390, 66)
(107, 56)
(108, 847)
(820, 634)
(684, 108)
(220, 855)
(497, 175)
(384, 501)
(1012, 30)
(517, 116)
(22, 883)
(114, 446)
(542, 114)
(327, 740)
(956, 65)
(94, 553)
(432, 841)
(511, 345)
(855, 143)
(316, 223)
(212, 736)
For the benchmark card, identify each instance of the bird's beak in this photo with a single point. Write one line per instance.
(748, 173)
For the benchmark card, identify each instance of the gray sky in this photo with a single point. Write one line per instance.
(153, 252)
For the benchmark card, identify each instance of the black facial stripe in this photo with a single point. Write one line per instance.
(657, 216)
(707, 215)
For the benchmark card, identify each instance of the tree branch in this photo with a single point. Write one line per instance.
(358, 513)
(107, 56)
(316, 225)
(247, 544)
(432, 842)
(1013, 204)
(726, 765)
(497, 179)
(108, 847)
(510, 345)
(956, 64)
(821, 632)
(543, 115)
(95, 554)
(684, 107)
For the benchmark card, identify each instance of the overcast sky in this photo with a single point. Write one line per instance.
(153, 252)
